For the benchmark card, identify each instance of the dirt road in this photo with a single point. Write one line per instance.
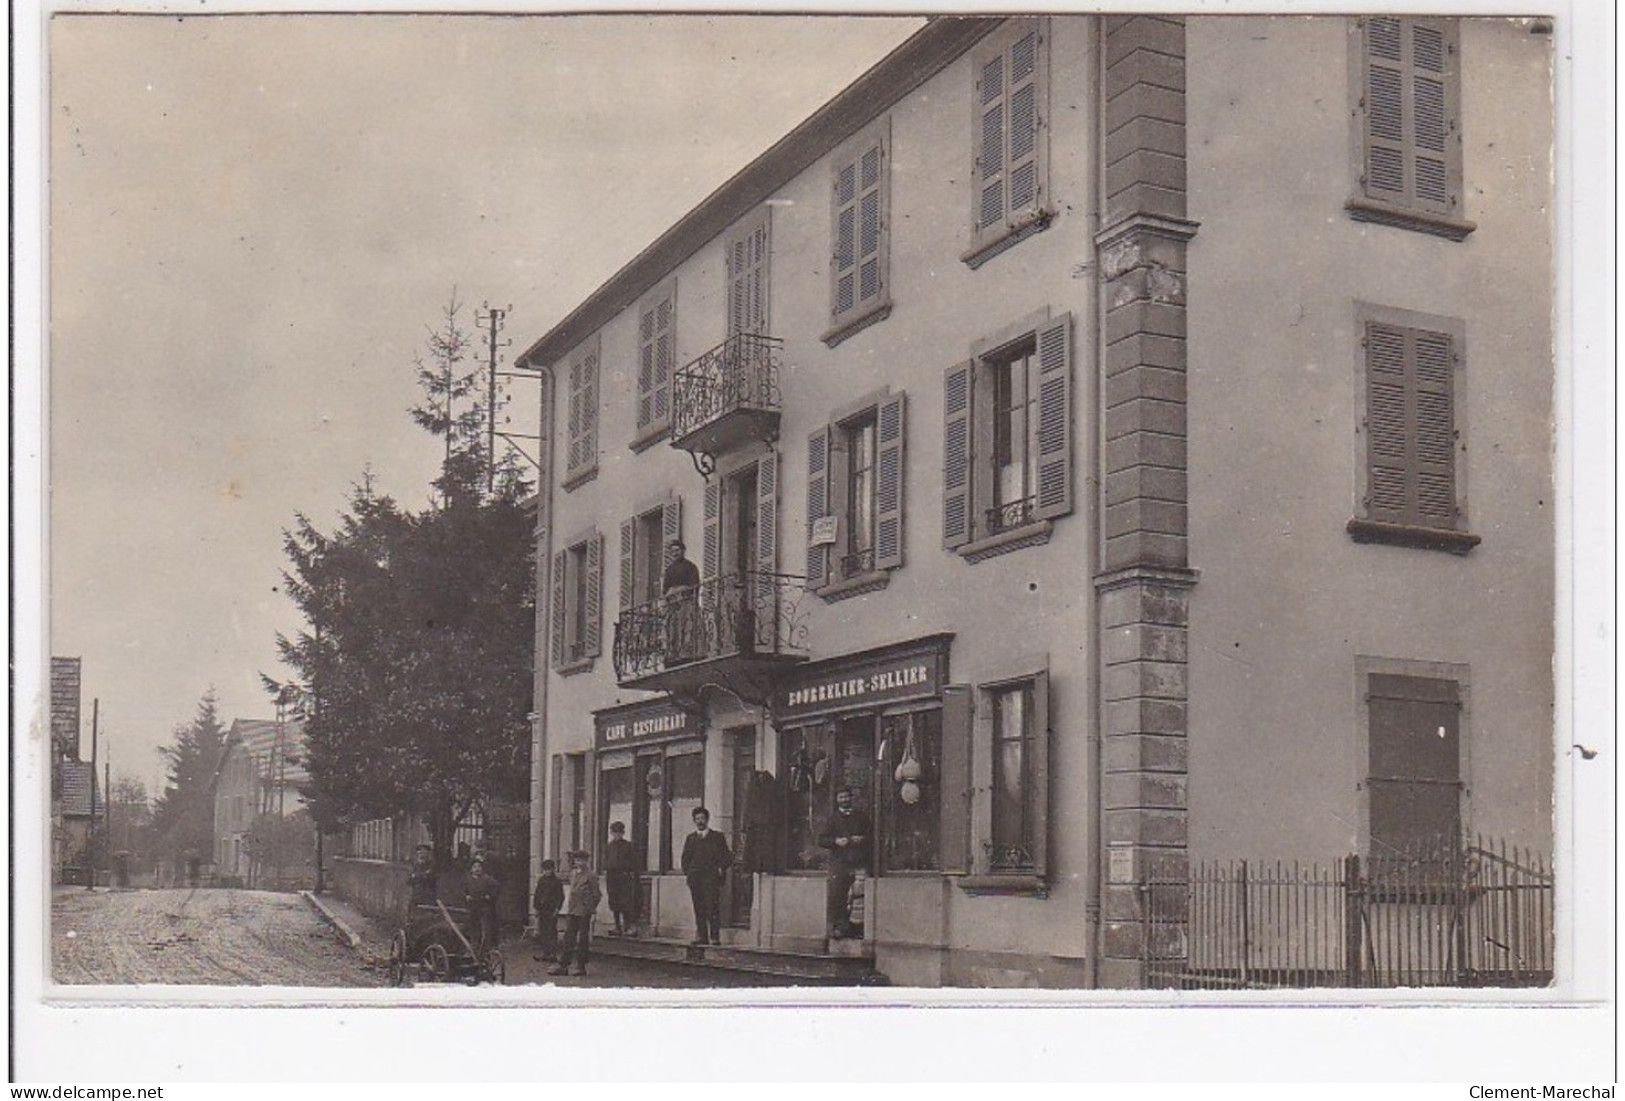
(201, 937)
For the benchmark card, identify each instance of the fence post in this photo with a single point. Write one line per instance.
(1351, 921)
(1246, 931)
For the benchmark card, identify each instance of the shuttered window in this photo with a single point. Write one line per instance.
(1007, 440)
(644, 537)
(1009, 140)
(577, 603)
(748, 252)
(1413, 778)
(1410, 123)
(860, 207)
(581, 455)
(657, 359)
(855, 476)
(1008, 744)
(1411, 376)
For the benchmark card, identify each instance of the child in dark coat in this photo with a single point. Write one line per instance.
(547, 901)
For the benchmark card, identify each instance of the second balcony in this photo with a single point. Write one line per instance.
(727, 397)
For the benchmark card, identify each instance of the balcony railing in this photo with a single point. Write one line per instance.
(1010, 515)
(743, 615)
(740, 375)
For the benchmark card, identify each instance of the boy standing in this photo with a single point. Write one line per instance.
(547, 901)
(578, 912)
(621, 877)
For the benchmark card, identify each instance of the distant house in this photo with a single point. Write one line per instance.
(75, 814)
(260, 773)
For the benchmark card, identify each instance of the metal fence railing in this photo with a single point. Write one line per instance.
(1478, 914)
(742, 614)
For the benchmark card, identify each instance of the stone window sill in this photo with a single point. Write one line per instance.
(579, 477)
(1362, 209)
(991, 243)
(1411, 535)
(1032, 534)
(650, 435)
(872, 314)
(857, 585)
(1026, 886)
(570, 668)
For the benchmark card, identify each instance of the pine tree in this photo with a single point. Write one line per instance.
(183, 814)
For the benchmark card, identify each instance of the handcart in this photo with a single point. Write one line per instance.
(437, 949)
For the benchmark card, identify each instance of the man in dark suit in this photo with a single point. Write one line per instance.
(706, 858)
(848, 834)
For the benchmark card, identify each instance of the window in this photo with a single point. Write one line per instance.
(1413, 774)
(910, 820)
(577, 602)
(1011, 843)
(1412, 490)
(747, 259)
(572, 805)
(1009, 154)
(855, 497)
(581, 461)
(1010, 778)
(657, 358)
(860, 234)
(1409, 126)
(1007, 453)
(643, 541)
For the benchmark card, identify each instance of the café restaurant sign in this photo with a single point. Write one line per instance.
(635, 724)
(864, 683)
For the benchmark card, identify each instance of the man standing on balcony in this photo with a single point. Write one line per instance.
(680, 590)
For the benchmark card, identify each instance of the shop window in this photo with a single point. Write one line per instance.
(1009, 156)
(1407, 106)
(577, 603)
(643, 543)
(685, 791)
(581, 455)
(910, 791)
(653, 791)
(860, 283)
(1007, 454)
(657, 359)
(572, 804)
(855, 498)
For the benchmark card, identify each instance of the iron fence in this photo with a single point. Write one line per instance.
(740, 373)
(740, 614)
(1478, 914)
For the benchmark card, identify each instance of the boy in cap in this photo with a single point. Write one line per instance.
(548, 900)
(621, 877)
(578, 912)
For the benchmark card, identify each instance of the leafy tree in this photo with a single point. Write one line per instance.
(130, 820)
(278, 842)
(183, 816)
(416, 657)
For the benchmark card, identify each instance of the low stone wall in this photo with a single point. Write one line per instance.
(375, 887)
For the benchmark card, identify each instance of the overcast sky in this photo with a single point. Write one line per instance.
(253, 220)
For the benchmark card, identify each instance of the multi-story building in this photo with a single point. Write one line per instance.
(261, 770)
(1107, 444)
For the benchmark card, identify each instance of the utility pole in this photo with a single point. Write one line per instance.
(90, 841)
(490, 318)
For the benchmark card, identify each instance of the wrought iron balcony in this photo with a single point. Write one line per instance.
(728, 396)
(1010, 515)
(730, 631)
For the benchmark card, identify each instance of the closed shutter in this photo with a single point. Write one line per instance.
(629, 559)
(592, 593)
(1410, 426)
(989, 162)
(711, 552)
(956, 455)
(1022, 193)
(1038, 813)
(858, 264)
(954, 838)
(889, 473)
(747, 279)
(1414, 780)
(1411, 124)
(1008, 167)
(1052, 427)
(573, 422)
(559, 612)
(656, 360)
(818, 496)
(583, 416)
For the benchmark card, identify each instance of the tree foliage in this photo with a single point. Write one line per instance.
(183, 814)
(416, 656)
(278, 842)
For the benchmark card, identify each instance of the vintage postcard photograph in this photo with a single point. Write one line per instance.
(767, 508)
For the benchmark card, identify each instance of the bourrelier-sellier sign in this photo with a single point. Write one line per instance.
(649, 722)
(861, 682)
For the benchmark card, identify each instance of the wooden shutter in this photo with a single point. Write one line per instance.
(583, 416)
(889, 476)
(629, 559)
(671, 524)
(1414, 778)
(656, 359)
(767, 520)
(560, 801)
(1410, 112)
(559, 613)
(818, 497)
(646, 366)
(956, 455)
(988, 171)
(748, 278)
(711, 552)
(592, 593)
(1022, 95)
(1052, 427)
(589, 812)
(844, 262)
(1040, 775)
(573, 421)
(1410, 426)
(954, 836)
(858, 266)
(1008, 168)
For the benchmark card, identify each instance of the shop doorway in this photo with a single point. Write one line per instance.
(737, 892)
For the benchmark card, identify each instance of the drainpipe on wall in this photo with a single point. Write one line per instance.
(544, 594)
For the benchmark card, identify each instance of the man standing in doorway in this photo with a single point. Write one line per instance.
(706, 858)
(847, 834)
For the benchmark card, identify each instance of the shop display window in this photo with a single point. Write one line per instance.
(685, 787)
(911, 791)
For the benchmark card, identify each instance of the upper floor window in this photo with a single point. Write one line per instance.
(855, 472)
(581, 459)
(1413, 490)
(644, 538)
(859, 279)
(748, 253)
(1007, 451)
(657, 358)
(1010, 157)
(577, 611)
(1408, 115)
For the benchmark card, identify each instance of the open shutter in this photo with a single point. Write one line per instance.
(646, 366)
(1434, 359)
(573, 421)
(1039, 812)
(711, 552)
(592, 593)
(817, 504)
(665, 359)
(589, 813)
(871, 213)
(767, 516)
(558, 609)
(561, 799)
(629, 558)
(759, 284)
(953, 843)
(589, 411)
(956, 455)
(1021, 165)
(1052, 427)
(889, 470)
(671, 521)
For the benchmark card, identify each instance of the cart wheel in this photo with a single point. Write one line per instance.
(495, 970)
(436, 964)
(397, 959)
